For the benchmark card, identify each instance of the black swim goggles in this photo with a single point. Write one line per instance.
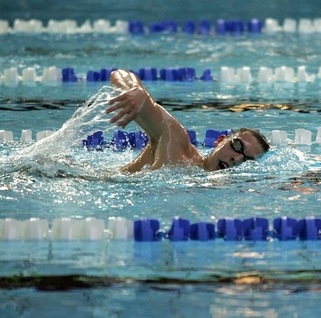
(237, 145)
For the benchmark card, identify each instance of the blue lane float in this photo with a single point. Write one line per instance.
(309, 229)
(146, 230)
(95, 141)
(163, 27)
(183, 74)
(202, 231)
(285, 228)
(150, 230)
(138, 139)
(229, 229)
(122, 140)
(179, 230)
(255, 229)
(204, 27)
(148, 74)
(68, 75)
(186, 74)
(136, 27)
(265, 75)
(232, 27)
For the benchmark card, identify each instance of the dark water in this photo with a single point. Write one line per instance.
(154, 10)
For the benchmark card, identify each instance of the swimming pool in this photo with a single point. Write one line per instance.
(56, 178)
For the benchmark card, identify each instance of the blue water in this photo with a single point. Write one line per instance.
(109, 278)
(151, 11)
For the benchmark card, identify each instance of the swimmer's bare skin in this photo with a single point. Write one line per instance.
(169, 142)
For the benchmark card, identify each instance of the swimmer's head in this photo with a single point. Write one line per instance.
(244, 144)
(257, 135)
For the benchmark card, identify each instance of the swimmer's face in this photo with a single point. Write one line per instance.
(232, 151)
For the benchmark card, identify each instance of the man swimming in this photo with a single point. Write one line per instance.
(169, 142)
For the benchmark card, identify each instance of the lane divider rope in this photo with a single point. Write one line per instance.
(53, 75)
(148, 230)
(138, 139)
(138, 27)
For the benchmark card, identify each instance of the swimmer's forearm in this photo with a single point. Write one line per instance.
(136, 104)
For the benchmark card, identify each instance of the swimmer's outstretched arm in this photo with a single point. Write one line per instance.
(137, 104)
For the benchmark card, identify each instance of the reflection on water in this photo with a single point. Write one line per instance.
(140, 300)
(216, 279)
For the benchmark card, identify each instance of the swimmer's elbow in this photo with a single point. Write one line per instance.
(129, 169)
(125, 170)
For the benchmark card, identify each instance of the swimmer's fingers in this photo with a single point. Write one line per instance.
(123, 117)
(114, 106)
(124, 96)
(128, 105)
(115, 103)
(118, 97)
(118, 102)
(126, 119)
(125, 114)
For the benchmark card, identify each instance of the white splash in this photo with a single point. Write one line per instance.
(55, 152)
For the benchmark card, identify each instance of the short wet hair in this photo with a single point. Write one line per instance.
(258, 136)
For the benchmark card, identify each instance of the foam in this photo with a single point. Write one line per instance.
(54, 147)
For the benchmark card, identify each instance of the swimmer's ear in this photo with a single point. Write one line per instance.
(219, 139)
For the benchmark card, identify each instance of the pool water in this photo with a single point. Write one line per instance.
(56, 178)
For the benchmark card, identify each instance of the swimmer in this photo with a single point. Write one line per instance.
(169, 142)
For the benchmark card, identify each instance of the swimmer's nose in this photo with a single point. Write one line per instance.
(237, 159)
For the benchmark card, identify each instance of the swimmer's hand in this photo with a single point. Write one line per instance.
(129, 105)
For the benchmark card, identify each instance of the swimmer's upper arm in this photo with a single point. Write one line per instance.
(146, 157)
